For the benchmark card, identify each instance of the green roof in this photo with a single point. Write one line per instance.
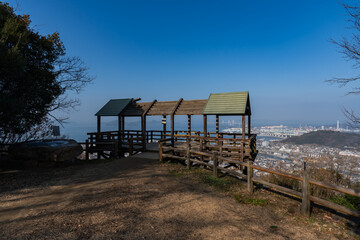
(235, 103)
(114, 107)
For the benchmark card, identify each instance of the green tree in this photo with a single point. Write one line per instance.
(35, 76)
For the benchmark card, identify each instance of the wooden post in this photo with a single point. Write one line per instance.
(189, 124)
(172, 129)
(249, 125)
(123, 126)
(217, 125)
(188, 163)
(172, 126)
(242, 150)
(143, 131)
(160, 151)
(221, 143)
(164, 127)
(98, 124)
(242, 141)
(305, 204)
(131, 146)
(119, 123)
(243, 127)
(250, 172)
(87, 150)
(205, 125)
(215, 165)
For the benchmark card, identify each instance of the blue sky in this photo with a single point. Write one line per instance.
(279, 51)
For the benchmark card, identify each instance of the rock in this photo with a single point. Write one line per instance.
(56, 150)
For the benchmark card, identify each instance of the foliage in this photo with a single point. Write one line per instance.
(325, 175)
(253, 201)
(347, 200)
(35, 75)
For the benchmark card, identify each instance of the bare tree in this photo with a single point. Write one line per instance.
(350, 48)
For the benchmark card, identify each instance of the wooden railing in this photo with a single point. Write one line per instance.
(118, 142)
(215, 160)
(154, 135)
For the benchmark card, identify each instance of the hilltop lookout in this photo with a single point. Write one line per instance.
(173, 143)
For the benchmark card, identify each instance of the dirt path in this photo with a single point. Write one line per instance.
(130, 198)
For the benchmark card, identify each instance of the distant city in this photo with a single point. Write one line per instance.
(273, 153)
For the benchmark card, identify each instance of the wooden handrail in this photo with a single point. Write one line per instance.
(305, 196)
(288, 175)
(334, 187)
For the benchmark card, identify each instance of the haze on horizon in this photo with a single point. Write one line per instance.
(279, 51)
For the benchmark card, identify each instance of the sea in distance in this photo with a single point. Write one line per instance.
(78, 131)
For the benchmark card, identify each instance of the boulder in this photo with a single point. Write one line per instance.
(54, 150)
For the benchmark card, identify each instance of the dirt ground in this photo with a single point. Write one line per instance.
(131, 198)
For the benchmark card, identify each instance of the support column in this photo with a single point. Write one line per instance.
(143, 131)
(98, 124)
(189, 124)
(205, 125)
(172, 130)
(217, 125)
(243, 127)
(249, 125)
(123, 127)
(164, 125)
(119, 124)
(98, 135)
(172, 125)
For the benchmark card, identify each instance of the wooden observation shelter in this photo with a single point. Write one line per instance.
(241, 146)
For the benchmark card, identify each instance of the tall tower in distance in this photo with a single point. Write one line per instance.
(337, 125)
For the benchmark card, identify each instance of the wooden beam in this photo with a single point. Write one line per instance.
(173, 116)
(305, 190)
(189, 124)
(98, 124)
(217, 125)
(148, 109)
(164, 126)
(205, 125)
(249, 125)
(243, 127)
(123, 124)
(143, 131)
(172, 126)
(119, 123)
(143, 123)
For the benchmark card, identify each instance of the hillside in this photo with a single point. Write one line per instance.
(140, 198)
(327, 138)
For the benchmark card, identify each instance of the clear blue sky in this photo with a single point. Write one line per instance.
(279, 51)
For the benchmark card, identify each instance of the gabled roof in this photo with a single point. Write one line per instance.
(114, 107)
(136, 109)
(228, 104)
(162, 108)
(235, 103)
(191, 107)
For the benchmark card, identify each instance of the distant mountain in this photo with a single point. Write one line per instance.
(327, 138)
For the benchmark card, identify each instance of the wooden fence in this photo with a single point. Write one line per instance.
(116, 143)
(212, 159)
